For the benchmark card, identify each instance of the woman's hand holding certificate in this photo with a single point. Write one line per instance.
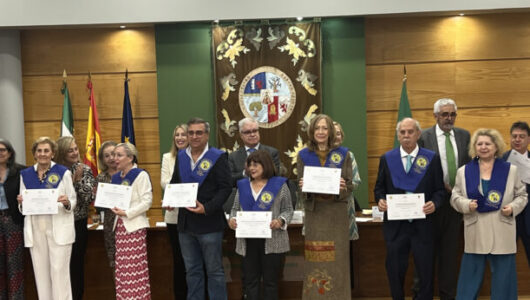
(39, 202)
(180, 195)
(113, 195)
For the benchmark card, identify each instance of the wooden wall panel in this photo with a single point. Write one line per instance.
(43, 99)
(99, 50)
(480, 61)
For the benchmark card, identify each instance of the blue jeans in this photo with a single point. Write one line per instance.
(207, 248)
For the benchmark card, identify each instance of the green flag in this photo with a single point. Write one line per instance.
(404, 108)
(67, 124)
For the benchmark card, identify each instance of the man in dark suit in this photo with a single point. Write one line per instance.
(403, 170)
(201, 227)
(519, 140)
(249, 133)
(452, 144)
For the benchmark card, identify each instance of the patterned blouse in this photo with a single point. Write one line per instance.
(84, 189)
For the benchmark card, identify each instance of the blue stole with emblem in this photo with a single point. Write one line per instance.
(51, 181)
(265, 198)
(499, 176)
(408, 181)
(128, 179)
(335, 157)
(202, 167)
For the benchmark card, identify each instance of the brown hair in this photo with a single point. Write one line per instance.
(263, 158)
(44, 140)
(495, 137)
(337, 124)
(101, 161)
(63, 144)
(312, 144)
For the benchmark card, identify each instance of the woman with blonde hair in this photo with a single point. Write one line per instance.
(49, 237)
(489, 194)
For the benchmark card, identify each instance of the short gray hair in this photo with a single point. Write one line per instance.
(130, 150)
(443, 102)
(404, 119)
(246, 121)
(199, 121)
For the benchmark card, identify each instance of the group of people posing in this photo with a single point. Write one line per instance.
(462, 177)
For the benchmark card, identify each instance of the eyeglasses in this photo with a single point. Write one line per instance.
(196, 133)
(248, 132)
(447, 114)
(3, 150)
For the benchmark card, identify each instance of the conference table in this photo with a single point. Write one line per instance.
(368, 257)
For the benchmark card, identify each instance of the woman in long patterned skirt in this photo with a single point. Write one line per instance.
(326, 267)
(132, 272)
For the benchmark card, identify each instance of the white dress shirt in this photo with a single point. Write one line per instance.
(194, 163)
(404, 155)
(440, 136)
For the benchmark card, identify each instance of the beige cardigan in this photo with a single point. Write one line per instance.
(490, 232)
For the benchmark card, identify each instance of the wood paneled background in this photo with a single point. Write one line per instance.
(480, 61)
(106, 53)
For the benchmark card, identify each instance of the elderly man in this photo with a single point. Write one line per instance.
(201, 227)
(520, 138)
(249, 133)
(404, 170)
(452, 144)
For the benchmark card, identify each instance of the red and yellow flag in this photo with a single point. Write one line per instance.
(93, 134)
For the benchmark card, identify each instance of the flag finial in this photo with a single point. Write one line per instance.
(64, 75)
(404, 72)
(127, 74)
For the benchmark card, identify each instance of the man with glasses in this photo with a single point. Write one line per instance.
(519, 140)
(249, 133)
(451, 143)
(201, 227)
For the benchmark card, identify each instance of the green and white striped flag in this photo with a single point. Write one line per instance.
(67, 124)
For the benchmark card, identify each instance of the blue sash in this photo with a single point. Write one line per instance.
(335, 157)
(202, 167)
(499, 176)
(128, 179)
(51, 181)
(265, 198)
(408, 181)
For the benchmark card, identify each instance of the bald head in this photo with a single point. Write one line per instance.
(408, 132)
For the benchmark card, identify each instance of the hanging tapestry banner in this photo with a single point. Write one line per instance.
(270, 73)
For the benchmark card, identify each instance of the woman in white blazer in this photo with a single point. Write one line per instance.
(132, 272)
(489, 194)
(180, 142)
(49, 237)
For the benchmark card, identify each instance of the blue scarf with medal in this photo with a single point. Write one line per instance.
(335, 157)
(128, 179)
(202, 167)
(265, 198)
(499, 175)
(403, 180)
(51, 180)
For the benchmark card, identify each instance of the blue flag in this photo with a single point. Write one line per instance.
(127, 125)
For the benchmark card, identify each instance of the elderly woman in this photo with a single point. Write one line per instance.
(180, 142)
(107, 167)
(132, 272)
(84, 184)
(11, 226)
(50, 237)
(327, 267)
(489, 194)
(262, 258)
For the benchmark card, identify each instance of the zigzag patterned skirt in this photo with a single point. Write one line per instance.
(132, 271)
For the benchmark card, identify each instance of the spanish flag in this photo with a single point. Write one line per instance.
(93, 134)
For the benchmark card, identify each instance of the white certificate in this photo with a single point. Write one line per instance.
(40, 202)
(180, 195)
(405, 206)
(321, 180)
(254, 224)
(113, 195)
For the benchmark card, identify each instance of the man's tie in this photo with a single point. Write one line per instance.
(450, 155)
(250, 150)
(409, 163)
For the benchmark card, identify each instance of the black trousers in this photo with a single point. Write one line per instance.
(180, 288)
(522, 234)
(256, 265)
(77, 260)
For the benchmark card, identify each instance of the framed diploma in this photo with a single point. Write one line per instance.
(113, 195)
(405, 206)
(254, 224)
(321, 180)
(40, 202)
(180, 195)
